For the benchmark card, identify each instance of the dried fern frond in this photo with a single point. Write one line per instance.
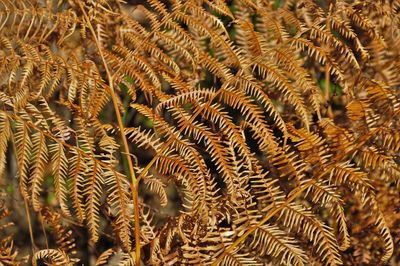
(202, 132)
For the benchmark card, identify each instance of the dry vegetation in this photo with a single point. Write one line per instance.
(199, 132)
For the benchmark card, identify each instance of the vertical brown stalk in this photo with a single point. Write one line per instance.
(134, 183)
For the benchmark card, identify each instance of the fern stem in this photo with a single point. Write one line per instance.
(328, 81)
(134, 183)
(43, 230)
(28, 216)
(327, 91)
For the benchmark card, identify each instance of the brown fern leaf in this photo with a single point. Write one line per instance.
(202, 132)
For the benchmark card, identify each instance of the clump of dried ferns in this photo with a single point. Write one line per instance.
(204, 132)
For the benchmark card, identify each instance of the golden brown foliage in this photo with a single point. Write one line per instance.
(204, 132)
